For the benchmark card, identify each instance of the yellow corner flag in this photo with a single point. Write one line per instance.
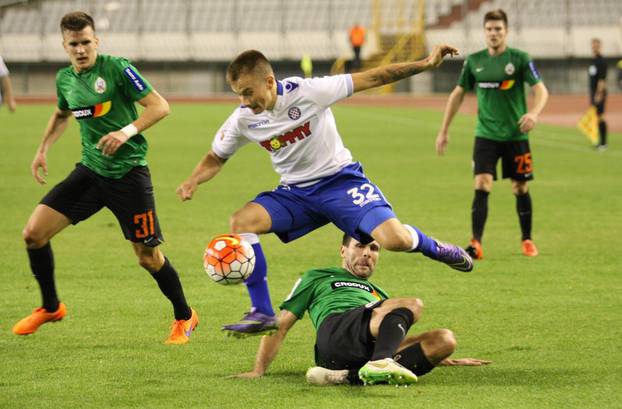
(589, 125)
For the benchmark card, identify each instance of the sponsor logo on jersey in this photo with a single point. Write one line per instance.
(290, 86)
(503, 85)
(288, 138)
(509, 68)
(479, 69)
(100, 85)
(258, 124)
(350, 284)
(294, 113)
(534, 71)
(95, 111)
(135, 79)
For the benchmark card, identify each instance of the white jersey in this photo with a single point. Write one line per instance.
(299, 133)
(4, 71)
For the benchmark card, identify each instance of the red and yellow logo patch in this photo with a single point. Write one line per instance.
(94, 111)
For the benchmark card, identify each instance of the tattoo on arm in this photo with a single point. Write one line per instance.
(394, 72)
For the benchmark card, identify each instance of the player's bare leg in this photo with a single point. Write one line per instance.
(524, 210)
(395, 236)
(43, 224)
(479, 213)
(250, 221)
(160, 268)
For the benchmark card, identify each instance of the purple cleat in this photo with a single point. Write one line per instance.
(454, 256)
(253, 323)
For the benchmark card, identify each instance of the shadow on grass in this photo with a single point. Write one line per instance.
(491, 376)
(482, 376)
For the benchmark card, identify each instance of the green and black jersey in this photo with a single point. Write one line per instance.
(500, 86)
(328, 291)
(102, 100)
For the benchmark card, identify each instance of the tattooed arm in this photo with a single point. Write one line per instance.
(387, 74)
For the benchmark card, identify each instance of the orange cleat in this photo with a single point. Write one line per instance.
(475, 250)
(529, 248)
(182, 329)
(40, 316)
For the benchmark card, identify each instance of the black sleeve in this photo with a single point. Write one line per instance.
(601, 70)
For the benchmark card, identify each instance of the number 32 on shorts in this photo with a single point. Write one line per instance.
(363, 194)
(523, 163)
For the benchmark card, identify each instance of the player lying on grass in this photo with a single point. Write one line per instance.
(101, 91)
(320, 183)
(361, 332)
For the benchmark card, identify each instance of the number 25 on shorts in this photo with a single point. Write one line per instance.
(523, 163)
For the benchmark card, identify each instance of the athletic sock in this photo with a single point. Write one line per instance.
(602, 131)
(257, 283)
(168, 281)
(479, 213)
(523, 208)
(42, 266)
(414, 359)
(422, 243)
(393, 329)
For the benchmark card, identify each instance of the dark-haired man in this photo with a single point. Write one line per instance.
(498, 73)
(100, 91)
(361, 332)
(291, 120)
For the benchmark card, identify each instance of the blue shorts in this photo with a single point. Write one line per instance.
(347, 199)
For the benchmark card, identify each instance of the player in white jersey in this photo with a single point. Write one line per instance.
(320, 183)
(6, 88)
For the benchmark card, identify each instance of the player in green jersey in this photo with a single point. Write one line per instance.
(361, 332)
(100, 91)
(498, 73)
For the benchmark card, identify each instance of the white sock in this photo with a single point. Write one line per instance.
(414, 235)
(252, 238)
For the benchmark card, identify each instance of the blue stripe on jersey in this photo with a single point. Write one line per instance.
(135, 79)
(279, 88)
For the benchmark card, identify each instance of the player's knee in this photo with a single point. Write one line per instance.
(519, 189)
(33, 238)
(446, 342)
(415, 305)
(240, 223)
(149, 262)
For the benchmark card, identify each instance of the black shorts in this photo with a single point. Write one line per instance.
(515, 157)
(344, 341)
(130, 198)
(600, 107)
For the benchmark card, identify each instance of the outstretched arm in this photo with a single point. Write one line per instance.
(387, 74)
(156, 108)
(453, 105)
(528, 121)
(54, 129)
(270, 345)
(205, 170)
(7, 89)
(464, 362)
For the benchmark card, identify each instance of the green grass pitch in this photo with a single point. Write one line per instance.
(551, 324)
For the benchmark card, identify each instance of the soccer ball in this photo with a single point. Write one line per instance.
(229, 259)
